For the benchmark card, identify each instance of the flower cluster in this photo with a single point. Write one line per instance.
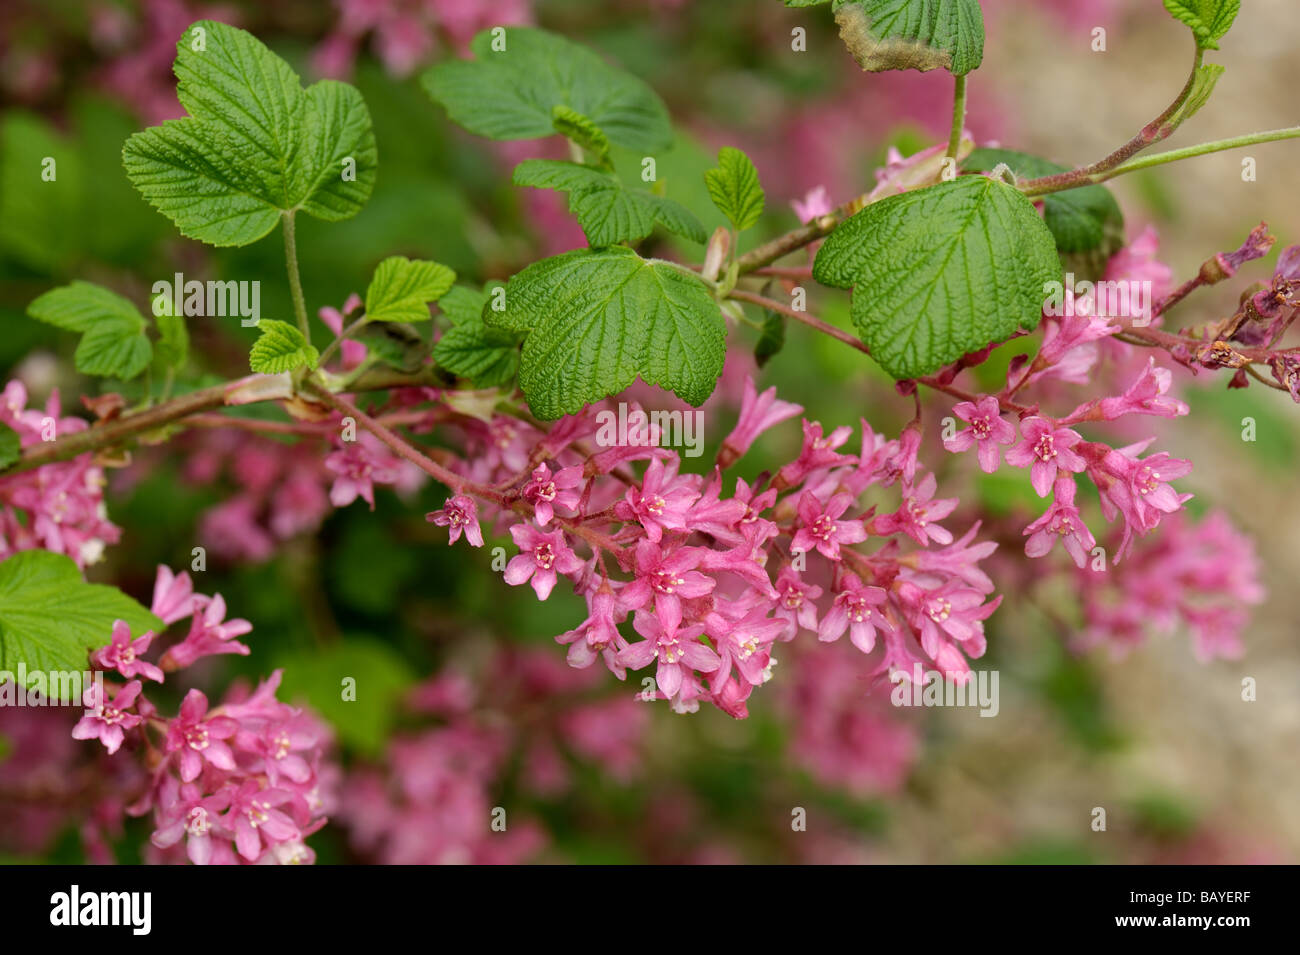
(238, 782)
(58, 506)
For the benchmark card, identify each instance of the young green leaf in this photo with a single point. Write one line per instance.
(113, 341)
(941, 271)
(735, 189)
(488, 357)
(1086, 223)
(1204, 80)
(50, 617)
(255, 144)
(772, 339)
(581, 131)
(280, 348)
(11, 446)
(1209, 20)
(911, 34)
(607, 210)
(401, 289)
(173, 348)
(520, 75)
(596, 321)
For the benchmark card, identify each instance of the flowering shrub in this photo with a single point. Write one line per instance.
(549, 404)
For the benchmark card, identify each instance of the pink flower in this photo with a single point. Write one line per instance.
(183, 811)
(987, 429)
(1045, 449)
(821, 527)
(667, 577)
(817, 454)
(199, 738)
(1145, 396)
(542, 557)
(108, 722)
(210, 634)
(255, 820)
(796, 603)
(460, 513)
(852, 610)
(124, 656)
(743, 644)
(598, 634)
(815, 204)
(1138, 490)
(674, 649)
(663, 501)
(358, 465)
(1064, 522)
(758, 412)
(544, 490)
(917, 515)
(173, 596)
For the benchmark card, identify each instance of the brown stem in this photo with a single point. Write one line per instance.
(1150, 134)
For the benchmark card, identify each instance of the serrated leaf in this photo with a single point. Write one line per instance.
(607, 210)
(113, 341)
(1209, 20)
(255, 143)
(596, 321)
(11, 446)
(512, 93)
(401, 289)
(50, 617)
(462, 304)
(281, 347)
(488, 357)
(581, 131)
(735, 189)
(913, 34)
(941, 271)
(1086, 223)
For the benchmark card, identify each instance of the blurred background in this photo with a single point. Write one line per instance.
(478, 708)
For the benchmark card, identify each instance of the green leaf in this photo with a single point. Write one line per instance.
(11, 446)
(488, 357)
(1086, 223)
(607, 210)
(462, 304)
(173, 347)
(772, 339)
(941, 271)
(401, 289)
(735, 189)
(1204, 80)
(50, 618)
(581, 131)
(1209, 20)
(280, 348)
(598, 320)
(255, 144)
(382, 678)
(512, 93)
(912, 34)
(37, 215)
(113, 341)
